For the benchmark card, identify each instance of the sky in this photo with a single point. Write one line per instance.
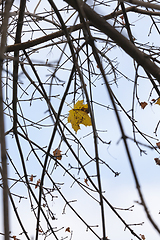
(120, 191)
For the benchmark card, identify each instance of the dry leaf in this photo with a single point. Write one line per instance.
(79, 115)
(14, 237)
(158, 101)
(142, 236)
(86, 181)
(158, 144)
(38, 182)
(31, 178)
(122, 17)
(157, 160)
(143, 104)
(57, 154)
(68, 229)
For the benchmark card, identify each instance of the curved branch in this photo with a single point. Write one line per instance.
(98, 22)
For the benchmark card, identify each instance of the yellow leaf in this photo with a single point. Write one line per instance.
(79, 115)
(158, 101)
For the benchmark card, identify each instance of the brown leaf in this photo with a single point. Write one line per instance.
(157, 160)
(143, 104)
(86, 181)
(158, 144)
(68, 229)
(38, 182)
(14, 237)
(121, 17)
(142, 236)
(31, 178)
(57, 154)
